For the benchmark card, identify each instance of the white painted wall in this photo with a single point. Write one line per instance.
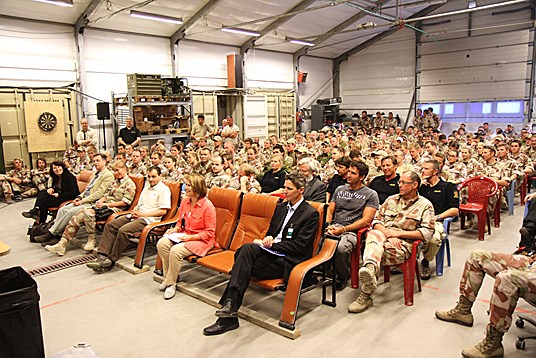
(204, 65)
(36, 55)
(268, 70)
(381, 77)
(109, 57)
(319, 82)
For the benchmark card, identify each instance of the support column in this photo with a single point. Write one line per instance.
(530, 107)
(81, 102)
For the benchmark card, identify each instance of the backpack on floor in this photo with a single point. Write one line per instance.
(39, 229)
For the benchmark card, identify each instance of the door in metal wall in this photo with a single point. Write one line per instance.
(256, 116)
(206, 104)
(287, 115)
(272, 106)
(479, 68)
(13, 128)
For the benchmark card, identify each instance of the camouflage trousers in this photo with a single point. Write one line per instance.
(513, 279)
(9, 188)
(380, 250)
(85, 216)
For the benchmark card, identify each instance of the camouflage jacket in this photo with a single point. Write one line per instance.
(408, 215)
(40, 178)
(121, 190)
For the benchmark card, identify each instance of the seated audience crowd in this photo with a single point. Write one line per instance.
(399, 183)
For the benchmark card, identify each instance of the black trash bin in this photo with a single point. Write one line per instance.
(20, 320)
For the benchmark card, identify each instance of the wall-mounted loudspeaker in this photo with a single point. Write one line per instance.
(103, 111)
(234, 71)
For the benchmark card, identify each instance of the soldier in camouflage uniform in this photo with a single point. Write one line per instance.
(246, 179)
(365, 121)
(253, 160)
(70, 156)
(218, 177)
(136, 166)
(40, 174)
(203, 166)
(456, 169)
(418, 120)
(17, 183)
(172, 173)
(515, 277)
(401, 219)
(495, 170)
(82, 161)
(118, 197)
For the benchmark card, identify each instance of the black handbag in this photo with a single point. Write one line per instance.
(102, 213)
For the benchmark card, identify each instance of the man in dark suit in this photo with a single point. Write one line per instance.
(291, 234)
(315, 190)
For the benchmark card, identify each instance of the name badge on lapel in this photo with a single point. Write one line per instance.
(290, 231)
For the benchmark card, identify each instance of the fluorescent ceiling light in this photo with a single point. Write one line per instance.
(64, 3)
(301, 42)
(240, 31)
(366, 25)
(422, 3)
(156, 17)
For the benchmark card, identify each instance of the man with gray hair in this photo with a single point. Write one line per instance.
(402, 219)
(315, 190)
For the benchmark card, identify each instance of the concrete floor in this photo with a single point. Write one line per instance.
(123, 315)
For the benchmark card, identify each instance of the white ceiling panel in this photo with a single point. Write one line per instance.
(116, 16)
(30, 9)
(255, 15)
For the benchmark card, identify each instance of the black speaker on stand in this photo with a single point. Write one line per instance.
(103, 114)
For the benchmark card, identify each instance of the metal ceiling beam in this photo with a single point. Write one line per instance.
(277, 23)
(337, 62)
(334, 31)
(83, 20)
(181, 32)
(532, 3)
(383, 34)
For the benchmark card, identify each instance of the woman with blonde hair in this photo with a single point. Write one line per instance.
(194, 233)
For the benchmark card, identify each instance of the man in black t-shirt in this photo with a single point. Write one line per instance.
(342, 164)
(130, 134)
(446, 201)
(387, 184)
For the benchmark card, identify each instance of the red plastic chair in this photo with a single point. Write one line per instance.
(410, 269)
(480, 189)
(354, 259)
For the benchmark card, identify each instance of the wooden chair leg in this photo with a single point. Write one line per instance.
(140, 252)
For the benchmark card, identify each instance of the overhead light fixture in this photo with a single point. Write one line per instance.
(366, 25)
(241, 31)
(156, 17)
(471, 5)
(301, 42)
(64, 3)
(422, 3)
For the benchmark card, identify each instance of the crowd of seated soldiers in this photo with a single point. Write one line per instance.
(502, 155)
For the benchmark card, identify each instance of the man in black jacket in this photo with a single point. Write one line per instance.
(314, 190)
(290, 241)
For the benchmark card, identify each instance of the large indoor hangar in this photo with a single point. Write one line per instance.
(275, 67)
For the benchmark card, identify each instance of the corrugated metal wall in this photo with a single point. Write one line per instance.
(205, 65)
(477, 68)
(381, 77)
(268, 70)
(319, 82)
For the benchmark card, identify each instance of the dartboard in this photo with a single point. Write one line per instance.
(47, 121)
